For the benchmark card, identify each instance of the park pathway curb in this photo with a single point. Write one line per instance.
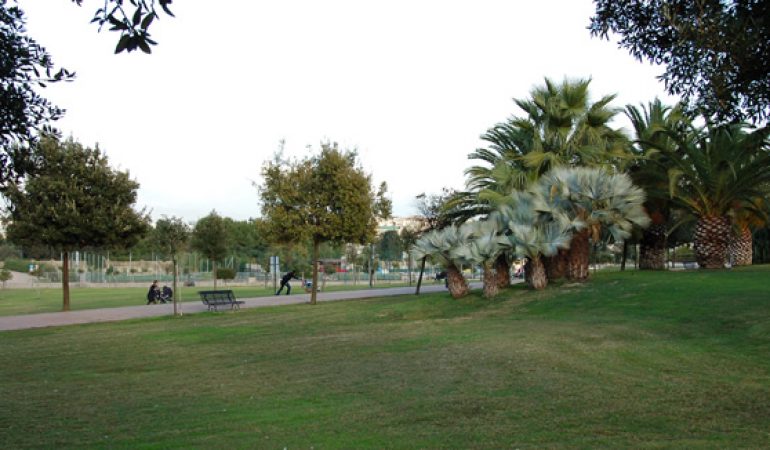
(56, 319)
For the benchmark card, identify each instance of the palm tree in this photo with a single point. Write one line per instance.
(652, 125)
(439, 244)
(533, 234)
(592, 200)
(483, 246)
(714, 173)
(559, 127)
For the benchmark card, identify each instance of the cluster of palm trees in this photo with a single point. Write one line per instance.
(559, 176)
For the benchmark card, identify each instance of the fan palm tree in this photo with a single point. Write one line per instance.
(482, 247)
(715, 173)
(559, 127)
(439, 244)
(652, 127)
(533, 234)
(592, 200)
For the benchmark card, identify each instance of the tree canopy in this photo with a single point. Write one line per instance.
(74, 201)
(326, 197)
(716, 53)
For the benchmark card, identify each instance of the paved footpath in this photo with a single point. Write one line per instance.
(137, 312)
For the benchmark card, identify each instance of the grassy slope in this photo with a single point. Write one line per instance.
(628, 360)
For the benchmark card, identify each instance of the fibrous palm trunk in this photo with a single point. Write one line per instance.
(491, 281)
(535, 273)
(578, 256)
(741, 247)
(556, 265)
(652, 248)
(502, 271)
(456, 283)
(712, 236)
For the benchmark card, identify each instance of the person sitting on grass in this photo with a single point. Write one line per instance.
(153, 295)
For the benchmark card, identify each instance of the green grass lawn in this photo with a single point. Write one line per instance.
(628, 360)
(30, 301)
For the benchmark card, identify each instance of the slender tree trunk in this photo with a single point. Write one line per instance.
(624, 257)
(535, 273)
(176, 293)
(741, 247)
(712, 236)
(556, 265)
(491, 280)
(578, 256)
(214, 267)
(502, 271)
(65, 282)
(316, 247)
(419, 279)
(409, 267)
(456, 282)
(652, 248)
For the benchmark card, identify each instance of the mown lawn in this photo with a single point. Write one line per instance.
(31, 301)
(628, 360)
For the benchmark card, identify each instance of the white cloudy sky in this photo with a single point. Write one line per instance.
(410, 84)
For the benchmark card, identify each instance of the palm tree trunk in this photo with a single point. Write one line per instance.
(578, 256)
(65, 282)
(712, 236)
(741, 247)
(456, 282)
(491, 280)
(502, 271)
(556, 265)
(535, 273)
(624, 257)
(652, 248)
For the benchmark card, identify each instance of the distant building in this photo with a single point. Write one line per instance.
(398, 223)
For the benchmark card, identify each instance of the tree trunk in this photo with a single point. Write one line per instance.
(578, 256)
(624, 257)
(419, 279)
(176, 293)
(502, 271)
(409, 267)
(65, 282)
(556, 265)
(535, 273)
(652, 248)
(316, 247)
(456, 282)
(741, 247)
(214, 267)
(491, 280)
(712, 236)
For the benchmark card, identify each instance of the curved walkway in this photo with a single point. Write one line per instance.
(136, 312)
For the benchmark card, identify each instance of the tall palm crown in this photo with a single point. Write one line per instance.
(713, 173)
(559, 127)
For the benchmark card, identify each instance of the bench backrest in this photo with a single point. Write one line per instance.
(225, 296)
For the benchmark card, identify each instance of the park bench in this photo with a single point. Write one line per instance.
(215, 299)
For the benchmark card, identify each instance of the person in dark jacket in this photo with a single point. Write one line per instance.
(285, 282)
(153, 295)
(166, 294)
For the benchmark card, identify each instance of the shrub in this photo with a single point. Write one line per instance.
(225, 274)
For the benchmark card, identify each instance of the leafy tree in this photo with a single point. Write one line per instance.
(170, 236)
(326, 197)
(74, 201)
(23, 112)
(390, 247)
(5, 276)
(436, 215)
(210, 237)
(132, 23)
(408, 237)
(716, 53)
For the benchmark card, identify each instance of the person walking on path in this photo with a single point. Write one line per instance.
(285, 282)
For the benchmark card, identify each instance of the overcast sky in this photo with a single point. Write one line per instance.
(410, 84)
